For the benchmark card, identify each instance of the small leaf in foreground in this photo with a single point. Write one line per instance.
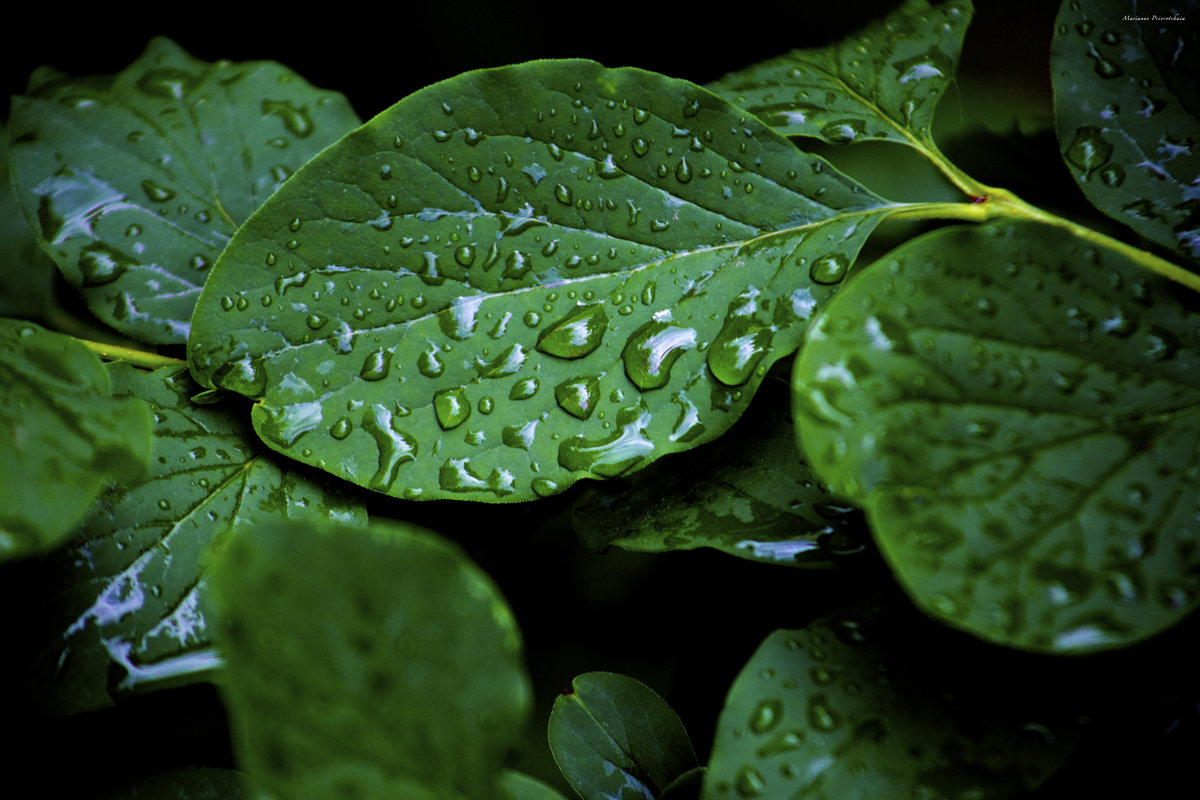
(518, 786)
(749, 494)
(614, 737)
(131, 589)
(1128, 115)
(881, 84)
(1017, 412)
(864, 704)
(377, 662)
(136, 182)
(62, 436)
(525, 276)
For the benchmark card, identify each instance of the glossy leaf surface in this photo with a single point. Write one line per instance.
(132, 586)
(864, 704)
(524, 276)
(881, 84)
(63, 436)
(614, 738)
(372, 664)
(1128, 114)
(136, 182)
(1017, 412)
(749, 494)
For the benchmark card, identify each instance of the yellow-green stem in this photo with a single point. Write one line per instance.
(139, 358)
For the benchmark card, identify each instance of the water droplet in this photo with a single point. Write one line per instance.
(1104, 67)
(523, 389)
(376, 365)
(1085, 27)
(829, 268)
(683, 172)
(395, 446)
(843, 130)
(749, 782)
(640, 146)
(506, 364)
(766, 715)
(156, 193)
(821, 715)
(652, 350)
(100, 264)
(456, 475)
(296, 120)
(429, 363)
(737, 350)
(562, 194)
(295, 224)
(1090, 150)
(451, 407)
(612, 455)
(167, 83)
(341, 429)
(578, 396)
(576, 334)
(516, 265)
(640, 115)
(544, 487)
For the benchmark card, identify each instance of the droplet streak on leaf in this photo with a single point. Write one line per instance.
(553, 294)
(1018, 414)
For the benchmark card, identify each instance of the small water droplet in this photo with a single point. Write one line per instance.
(295, 120)
(640, 146)
(766, 715)
(821, 715)
(156, 193)
(451, 407)
(562, 193)
(341, 429)
(829, 269)
(843, 131)
(523, 389)
(749, 782)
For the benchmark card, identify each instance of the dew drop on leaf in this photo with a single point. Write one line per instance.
(451, 407)
(578, 396)
(576, 334)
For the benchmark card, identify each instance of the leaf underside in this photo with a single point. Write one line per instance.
(62, 436)
(863, 704)
(371, 664)
(132, 584)
(1017, 413)
(1128, 115)
(134, 183)
(882, 84)
(524, 276)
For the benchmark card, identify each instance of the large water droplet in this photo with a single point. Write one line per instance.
(829, 268)
(284, 425)
(247, 377)
(737, 350)
(578, 396)
(429, 363)
(614, 454)
(451, 407)
(1090, 150)
(296, 120)
(395, 446)
(507, 363)
(100, 264)
(456, 475)
(843, 131)
(821, 715)
(749, 782)
(523, 389)
(576, 334)
(376, 365)
(652, 350)
(766, 715)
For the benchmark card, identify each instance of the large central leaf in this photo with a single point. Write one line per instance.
(524, 276)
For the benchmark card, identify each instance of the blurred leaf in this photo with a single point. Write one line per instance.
(62, 436)
(518, 786)
(750, 494)
(374, 664)
(868, 704)
(1016, 411)
(185, 783)
(132, 592)
(1127, 112)
(594, 246)
(134, 183)
(880, 84)
(615, 739)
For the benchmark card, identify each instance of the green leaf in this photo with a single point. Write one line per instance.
(1017, 413)
(184, 783)
(615, 739)
(1128, 115)
(135, 182)
(518, 786)
(524, 276)
(131, 589)
(26, 273)
(750, 494)
(865, 703)
(381, 663)
(62, 436)
(881, 84)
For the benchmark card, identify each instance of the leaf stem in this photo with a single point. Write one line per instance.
(139, 358)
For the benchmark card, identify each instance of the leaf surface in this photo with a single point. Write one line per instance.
(518, 786)
(524, 276)
(614, 738)
(881, 84)
(1128, 115)
(63, 436)
(132, 586)
(134, 183)
(864, 704)
(377, 664)
(749, 494)
(1017, 413)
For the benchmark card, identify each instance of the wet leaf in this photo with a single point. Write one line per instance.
(132, 585)
(63, 436)
(615, 739)
(865, 704)
(524, 276)
(880, 84)
(377, 664)
(1128, 115)
(749, 494)
(26, 273)
(135, 182)
(1017, 413)
(518, 786)
(184, 783)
